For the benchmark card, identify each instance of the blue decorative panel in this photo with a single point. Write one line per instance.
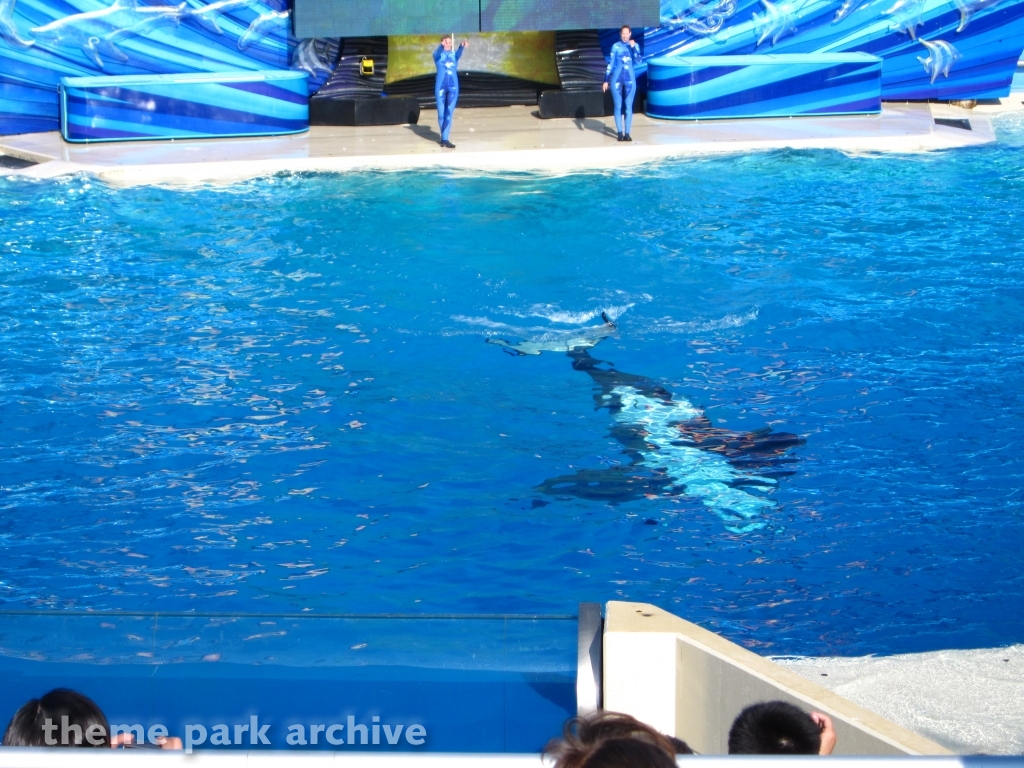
(135, 107)
(42, 41)
(692, 87)
(978, 41)
(932, 49)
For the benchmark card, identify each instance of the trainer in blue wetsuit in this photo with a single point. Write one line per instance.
(446, 85)
(620, 76)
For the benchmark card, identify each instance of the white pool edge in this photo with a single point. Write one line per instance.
(536, 161)
(668, 142)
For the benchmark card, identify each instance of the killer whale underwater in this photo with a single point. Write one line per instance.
(672, 446)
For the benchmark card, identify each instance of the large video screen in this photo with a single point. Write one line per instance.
(359, 18)
(526, 55)
(363, 18)
(519, 15)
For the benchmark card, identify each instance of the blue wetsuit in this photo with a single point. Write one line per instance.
(446, 87)
(621, 78)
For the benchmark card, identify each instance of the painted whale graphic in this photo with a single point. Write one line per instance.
(8, 30)
(672, 447)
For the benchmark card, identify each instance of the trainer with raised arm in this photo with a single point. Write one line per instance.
(620, 75)
(446, 86)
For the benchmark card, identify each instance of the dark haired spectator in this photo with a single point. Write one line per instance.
(780, 728)
(613, 740)
(65, 718)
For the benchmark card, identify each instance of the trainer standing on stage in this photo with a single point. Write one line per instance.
(446, 86)
(621, 76)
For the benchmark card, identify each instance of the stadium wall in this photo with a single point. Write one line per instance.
(932, 49)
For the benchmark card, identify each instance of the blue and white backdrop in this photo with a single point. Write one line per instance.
(944, 49)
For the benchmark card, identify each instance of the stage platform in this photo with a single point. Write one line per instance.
(502, 139)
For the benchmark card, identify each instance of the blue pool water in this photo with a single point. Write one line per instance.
(277, 397)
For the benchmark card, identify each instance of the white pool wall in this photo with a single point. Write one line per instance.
(691, 683)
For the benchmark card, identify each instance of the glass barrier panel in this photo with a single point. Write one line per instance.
(433, 683)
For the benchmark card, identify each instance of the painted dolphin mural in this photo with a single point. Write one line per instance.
(699, 17)
(777, 20)
(848, 7)
(98, 33)
(968, 8)
(208, 14)
(8, 30)
(907, 16)
(263, 26)
(672, 447)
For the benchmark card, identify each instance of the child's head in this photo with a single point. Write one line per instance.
(612, 740)
(41, 723)
(774, 728)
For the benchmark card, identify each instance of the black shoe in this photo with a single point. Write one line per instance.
(448, 144)
(621, 137)
(441, 142)
(628, 137)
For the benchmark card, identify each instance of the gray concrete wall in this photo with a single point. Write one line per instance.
(692, 683)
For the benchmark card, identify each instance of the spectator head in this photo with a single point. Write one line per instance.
(61, 718)
(774, 728)
(613, 740)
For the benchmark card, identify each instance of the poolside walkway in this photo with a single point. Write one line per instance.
(506, 139)
(970, 701)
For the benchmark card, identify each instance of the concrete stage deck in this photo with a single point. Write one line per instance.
(505, 139)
